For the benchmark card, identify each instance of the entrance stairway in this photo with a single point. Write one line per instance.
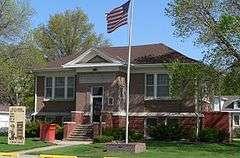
(81, 133)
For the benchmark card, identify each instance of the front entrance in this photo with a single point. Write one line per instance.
(97, 103)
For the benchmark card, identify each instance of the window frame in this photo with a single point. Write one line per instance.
(46, 87)
(155, 97)
(54, 86)
(238, 115)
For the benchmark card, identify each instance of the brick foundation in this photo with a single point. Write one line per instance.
(68, 129)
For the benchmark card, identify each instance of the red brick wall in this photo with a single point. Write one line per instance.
(138, 104)
(136, 123)
(51, 106)
(219, 120)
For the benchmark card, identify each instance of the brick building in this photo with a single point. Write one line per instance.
(85, 87)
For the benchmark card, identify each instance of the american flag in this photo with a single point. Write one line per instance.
(117, 17)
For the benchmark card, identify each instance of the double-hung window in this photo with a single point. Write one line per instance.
(49, 87)
(70, 87)
(156, 86)
(59, 88)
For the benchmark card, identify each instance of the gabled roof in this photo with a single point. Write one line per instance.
(142, 54)
(228, 103)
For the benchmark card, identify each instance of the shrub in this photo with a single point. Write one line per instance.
(166, 132)
(32, 129)
(103, 139)
(3, 134)
(189, 134)
(213, 135)
(116, 133)
(59, 132)
(237, 132)
(135, 136)
(120, 133)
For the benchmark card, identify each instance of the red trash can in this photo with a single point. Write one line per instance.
(48, 132)
(51, 132)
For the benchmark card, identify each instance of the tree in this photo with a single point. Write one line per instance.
(67, 33)
(17, 82)
(199, 80)
(14, 19)
(214, 23)
(194, 82)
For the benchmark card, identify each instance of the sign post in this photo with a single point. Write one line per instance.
(16, 130)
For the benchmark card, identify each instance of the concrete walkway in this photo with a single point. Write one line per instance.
(59, 144)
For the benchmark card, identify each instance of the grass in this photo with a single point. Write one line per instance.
(29, 144)
(157, 150)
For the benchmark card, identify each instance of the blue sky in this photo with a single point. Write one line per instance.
(150, 24)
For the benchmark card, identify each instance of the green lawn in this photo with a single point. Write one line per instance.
(29, 144)
(157, 150)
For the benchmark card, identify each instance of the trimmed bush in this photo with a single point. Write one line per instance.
(103, 139)
(135, 136)
(116, 133)
(213, 135)
(32, 129)
(120, 133)
(166, 132)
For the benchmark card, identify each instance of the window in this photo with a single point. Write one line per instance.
(236, 120)
(162, 85)
(49, 86)
(70, 87)
(150, 85)
(59, 87)
(237, 105)
(110, 101)
(157, 86)
(97, 91)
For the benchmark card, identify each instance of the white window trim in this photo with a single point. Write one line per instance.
(238, 120)
(53, 89)
(155, 87)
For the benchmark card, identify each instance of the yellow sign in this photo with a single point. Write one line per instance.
(16, 130)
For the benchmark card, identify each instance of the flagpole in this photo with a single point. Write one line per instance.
(129, 65)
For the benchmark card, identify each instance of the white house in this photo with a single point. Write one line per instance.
(4, 118)
(229, 104)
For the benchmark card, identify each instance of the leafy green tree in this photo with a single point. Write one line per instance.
(214, 23)
(67, 33)
(14, 19)
(17, 82)
(194, 81)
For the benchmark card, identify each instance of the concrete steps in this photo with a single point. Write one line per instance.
(82, 133)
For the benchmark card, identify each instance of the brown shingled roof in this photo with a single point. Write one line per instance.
(148, 54)
(142, 54)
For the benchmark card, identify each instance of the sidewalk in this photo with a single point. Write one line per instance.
(60, 144)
